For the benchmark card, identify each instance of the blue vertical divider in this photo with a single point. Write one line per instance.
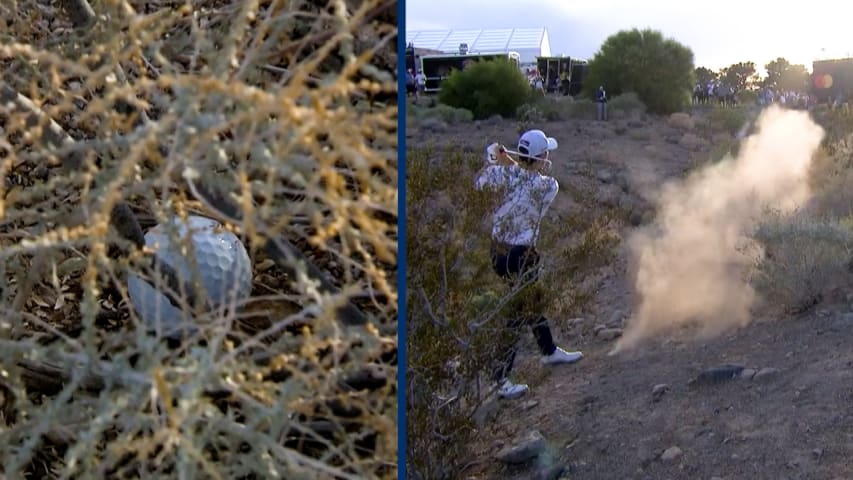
(401, 239)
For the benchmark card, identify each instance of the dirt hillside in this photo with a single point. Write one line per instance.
(643, 414)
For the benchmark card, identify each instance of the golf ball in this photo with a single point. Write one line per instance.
(224, 269)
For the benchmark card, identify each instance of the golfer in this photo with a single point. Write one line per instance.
(527, 194)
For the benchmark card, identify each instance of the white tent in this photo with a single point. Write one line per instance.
(529, 43)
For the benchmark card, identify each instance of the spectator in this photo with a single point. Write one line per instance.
(601, 102)
(538, 85)
(410, 83)
(420, 84)
(528, 193)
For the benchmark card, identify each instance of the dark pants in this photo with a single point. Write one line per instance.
(518, 264)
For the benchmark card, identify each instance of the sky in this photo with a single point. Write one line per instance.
(720, 33)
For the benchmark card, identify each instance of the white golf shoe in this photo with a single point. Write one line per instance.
(561, 356)
(511, 390)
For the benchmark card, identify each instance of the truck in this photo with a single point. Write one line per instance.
(832, 80)
(437, 68)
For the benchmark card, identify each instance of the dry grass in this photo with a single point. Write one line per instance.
(253, 113)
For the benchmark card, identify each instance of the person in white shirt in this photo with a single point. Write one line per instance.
(528, 193)
(420, 83)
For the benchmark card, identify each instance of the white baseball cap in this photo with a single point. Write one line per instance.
(534, 143)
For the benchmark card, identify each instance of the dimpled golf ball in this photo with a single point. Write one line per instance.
(224, 269)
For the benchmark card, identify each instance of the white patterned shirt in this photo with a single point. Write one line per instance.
(527, 196)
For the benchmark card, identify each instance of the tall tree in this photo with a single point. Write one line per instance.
(658, 69)
(704, 75)
(775, 70)
(738, 75)
(781, 74)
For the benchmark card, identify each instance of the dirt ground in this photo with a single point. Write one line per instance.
(600, 417)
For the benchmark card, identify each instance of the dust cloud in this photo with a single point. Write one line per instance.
(688, 267)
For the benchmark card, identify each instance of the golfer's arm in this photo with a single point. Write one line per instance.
(488, 176)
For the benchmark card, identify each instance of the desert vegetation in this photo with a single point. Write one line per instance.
(119, 115)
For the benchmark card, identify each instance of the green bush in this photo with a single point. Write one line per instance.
(486, 88)
(657, 69)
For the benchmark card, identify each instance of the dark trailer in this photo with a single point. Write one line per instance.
(437, 68)
(832, 80)
(579, 69)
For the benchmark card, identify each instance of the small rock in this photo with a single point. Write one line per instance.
(609, 333)
(765, 373)
(598, 328)
(658, 391)
(528, 448)
(529, 404)
(718, 374)
(747, 373)
(670, 454)
(604, 176)
(817, 452)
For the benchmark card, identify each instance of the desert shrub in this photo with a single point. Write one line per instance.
(529, 116)
(831, 180)
(659, 70)
(529, 113)
(628, 103)
(581, 108)
(456, 305)
(729, 120)
(445, 113)
(553, 109)
(277, 119)
(486, 88)
(681, 121)
(453, 115)
(803, 257)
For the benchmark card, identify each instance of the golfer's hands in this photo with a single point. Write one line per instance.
(496, 154)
